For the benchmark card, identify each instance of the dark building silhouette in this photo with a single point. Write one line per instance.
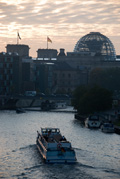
(20, 49)
(51, 71)
(28, 75)
(47, 53)
(43, 76)
(62, 52)
(10, 74)
(66, 78)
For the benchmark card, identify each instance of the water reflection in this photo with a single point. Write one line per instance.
(97, 153)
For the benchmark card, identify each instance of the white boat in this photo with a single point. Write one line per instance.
(54, 147)
(60, 105)
(92, 121)
(107, 127)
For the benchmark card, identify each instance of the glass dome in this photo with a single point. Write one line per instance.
(97, 43)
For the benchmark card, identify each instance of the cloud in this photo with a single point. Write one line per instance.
(66, 18)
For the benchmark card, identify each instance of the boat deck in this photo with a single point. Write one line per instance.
(54, 147)
(55, 138)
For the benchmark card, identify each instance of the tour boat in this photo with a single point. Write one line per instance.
(108, 128)
(54, 147)
(93, 121)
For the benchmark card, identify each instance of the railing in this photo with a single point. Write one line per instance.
(44, 142)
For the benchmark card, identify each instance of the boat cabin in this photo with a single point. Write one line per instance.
(52, 135)
(93, 118)
(47, 131)
(108, 125)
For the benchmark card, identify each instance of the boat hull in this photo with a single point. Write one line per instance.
(107, 128)
(56, 156)
(93, 122)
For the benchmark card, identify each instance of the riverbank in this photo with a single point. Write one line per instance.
(68, 109)
(104, 117)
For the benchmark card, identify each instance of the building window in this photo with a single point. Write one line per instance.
(56, 82)
(11, 59)
(69, 83)
(5, 83)
(7, 89)
(10, 65)
(7, 65)
(11, 71)
(55, 75)
(38, 73)
(7, 77)
(1, 65)
(5, 59)
(5, 71)
(1, 77)
(69, 75)
(11, 82)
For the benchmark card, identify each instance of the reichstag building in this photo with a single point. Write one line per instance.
(53, 71)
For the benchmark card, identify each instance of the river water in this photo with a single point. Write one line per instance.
(98, 154)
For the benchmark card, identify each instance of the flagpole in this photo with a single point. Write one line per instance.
(47, 42)
(17, 38)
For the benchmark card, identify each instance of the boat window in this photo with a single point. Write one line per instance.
(44, 131)
(111, 125)
(53, 130)
(108, 125)
(58, 130)
(49, 130)
(93, 118)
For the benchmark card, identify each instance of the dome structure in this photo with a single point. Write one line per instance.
(96, 43)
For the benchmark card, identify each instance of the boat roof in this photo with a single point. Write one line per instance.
(93, 117)
(108, 124)
(49, 129)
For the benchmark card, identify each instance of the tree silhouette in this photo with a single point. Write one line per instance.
(107, 78)
(89, 100)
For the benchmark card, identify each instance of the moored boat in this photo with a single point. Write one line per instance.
(54, 147)
(108, 128)
(80, 117)
(20, 110)
(92, 121)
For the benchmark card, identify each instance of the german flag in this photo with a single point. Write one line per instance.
(62, 149)
(49, 40)
(19, 36)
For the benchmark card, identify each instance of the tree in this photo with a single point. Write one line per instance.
(89, 100)
(107, 78)
(78, 94)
